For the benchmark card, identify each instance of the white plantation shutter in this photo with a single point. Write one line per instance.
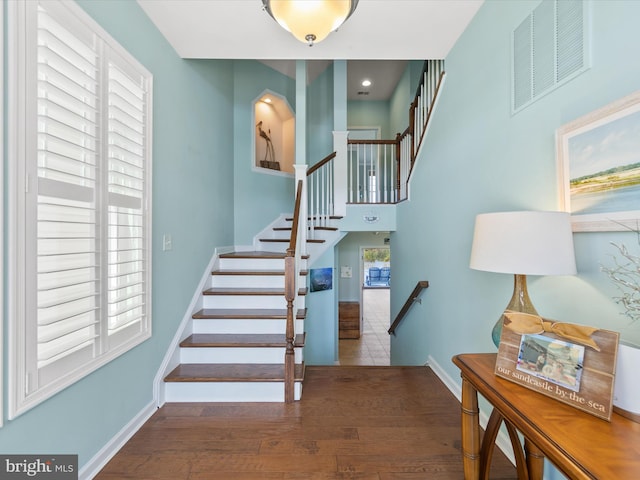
(126, 194)
(68, 245)
(85, 220)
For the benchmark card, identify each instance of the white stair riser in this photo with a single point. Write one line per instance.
(252, 281)
(244, 301)
(273, 246)
(251, 263)
(236, 355)
(228, 391)
(225, 325)
(247, 281)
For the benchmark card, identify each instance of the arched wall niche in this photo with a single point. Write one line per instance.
(274, 134)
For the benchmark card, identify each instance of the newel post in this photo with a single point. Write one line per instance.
(289, 357)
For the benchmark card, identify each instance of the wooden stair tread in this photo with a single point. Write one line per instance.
(239, 340)
(236, 291)
(247, 313)
(286, 240)
(231, 372)
(288, 229)
(254, 272)
(257, 254)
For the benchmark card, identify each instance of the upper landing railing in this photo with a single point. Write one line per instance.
(372, 171)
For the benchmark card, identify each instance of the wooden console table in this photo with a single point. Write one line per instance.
(580, 445)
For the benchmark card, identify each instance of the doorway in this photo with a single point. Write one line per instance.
(373, 346)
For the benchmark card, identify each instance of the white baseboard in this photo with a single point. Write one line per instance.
(502, 441)
(106, 453)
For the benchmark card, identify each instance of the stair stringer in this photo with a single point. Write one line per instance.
(426, 132)
(268, 232)
(316, 250)
(172, 358)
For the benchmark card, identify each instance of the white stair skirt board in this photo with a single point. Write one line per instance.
(225, 325)
(228, 391)
(268, 355)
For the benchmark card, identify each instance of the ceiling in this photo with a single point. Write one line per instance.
(389, 32)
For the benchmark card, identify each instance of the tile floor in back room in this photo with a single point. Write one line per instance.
(373, 346)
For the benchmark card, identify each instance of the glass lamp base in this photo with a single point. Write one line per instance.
(520, 302)
(496, 332)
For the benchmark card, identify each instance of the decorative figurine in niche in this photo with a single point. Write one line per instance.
(269, 154)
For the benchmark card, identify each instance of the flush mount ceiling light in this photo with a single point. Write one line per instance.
(310, 21)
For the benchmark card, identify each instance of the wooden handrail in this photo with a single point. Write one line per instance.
(293, 239)
(435, 95)
(321, 163)
(290, 274)
(371, 142)
(421, 285)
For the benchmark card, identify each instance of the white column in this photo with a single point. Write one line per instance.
(340, 173)
(301, 112)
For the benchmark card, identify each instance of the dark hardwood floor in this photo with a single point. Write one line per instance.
(353, 422)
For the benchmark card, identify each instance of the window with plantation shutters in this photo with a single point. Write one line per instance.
(81, 196)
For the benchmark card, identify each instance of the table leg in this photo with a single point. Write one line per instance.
(535, 460)
(470, 431)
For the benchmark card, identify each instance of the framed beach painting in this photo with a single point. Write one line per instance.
(598, 159)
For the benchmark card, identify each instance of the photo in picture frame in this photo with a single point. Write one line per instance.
(598, 161)
(569, 371)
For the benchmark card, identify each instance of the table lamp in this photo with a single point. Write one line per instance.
(522, 243)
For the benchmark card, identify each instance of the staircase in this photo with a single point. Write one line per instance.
(233, 349)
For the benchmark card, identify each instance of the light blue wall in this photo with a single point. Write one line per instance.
(258, 197)
(479, 158)
(361, 113)
(192, 201)
(320, 111)
(321, 324)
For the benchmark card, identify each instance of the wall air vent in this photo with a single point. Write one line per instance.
(550, 47)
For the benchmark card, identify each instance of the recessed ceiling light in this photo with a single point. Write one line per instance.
(267, 100)
(366, 83)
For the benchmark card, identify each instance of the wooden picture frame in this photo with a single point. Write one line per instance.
(585, 377)
(599, 167)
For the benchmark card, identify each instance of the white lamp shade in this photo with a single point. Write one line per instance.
(523, 243)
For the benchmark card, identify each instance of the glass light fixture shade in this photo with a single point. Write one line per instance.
(310, 21)
(522, 243)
